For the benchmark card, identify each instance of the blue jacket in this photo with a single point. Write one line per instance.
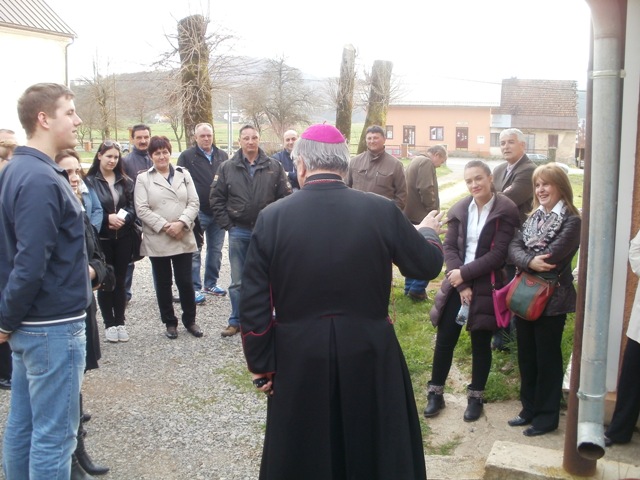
(289, 166)
(43, 261)
(92, 206)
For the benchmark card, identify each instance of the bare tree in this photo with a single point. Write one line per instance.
(99, 90)
(196, 83)
(344, 93)
(288, 99)
(378, 98)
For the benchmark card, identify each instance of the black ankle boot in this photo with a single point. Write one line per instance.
(435, 403)
(475, 400)
(85, 460)
(77, 472)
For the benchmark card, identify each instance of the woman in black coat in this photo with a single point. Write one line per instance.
(115, 191)
(547, 242)
(69, 160)
(479, 230)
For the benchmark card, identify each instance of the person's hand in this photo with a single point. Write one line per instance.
(175, 230)
(455, 278)
(539, 263)
(92, 273)
(433, 221)
(466, 295)
(258, 382)
(4, 337)
(115, 222)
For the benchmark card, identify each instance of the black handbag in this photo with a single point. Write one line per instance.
(136, 231)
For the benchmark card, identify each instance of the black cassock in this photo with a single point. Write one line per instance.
(343, 404)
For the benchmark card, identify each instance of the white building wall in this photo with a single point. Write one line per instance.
(28, 58)
(629, 134)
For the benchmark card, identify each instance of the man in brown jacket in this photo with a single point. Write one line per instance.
(422, 198)
(377, 171)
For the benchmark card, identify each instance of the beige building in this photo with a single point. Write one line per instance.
(463, 128)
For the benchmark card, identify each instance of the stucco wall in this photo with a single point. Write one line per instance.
(476, 119)
(28, 58)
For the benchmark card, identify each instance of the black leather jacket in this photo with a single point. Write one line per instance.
(124, 187)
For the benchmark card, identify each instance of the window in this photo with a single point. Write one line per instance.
(495, 139)
(436, 133)
(553, 141)
(409, 135)
(389, 132)
(530, 142)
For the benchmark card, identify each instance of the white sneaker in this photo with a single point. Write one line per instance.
(123, 336)
(111, 334)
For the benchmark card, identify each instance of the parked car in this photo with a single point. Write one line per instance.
(125, 147)
(540, 159)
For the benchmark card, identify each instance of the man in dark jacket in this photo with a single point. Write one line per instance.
(243, 186)
(341, 402)
(202, 160)
(136, 161)
(44, 280)
(513, 180)
(284, 157)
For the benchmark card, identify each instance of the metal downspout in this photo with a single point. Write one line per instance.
(606, 77)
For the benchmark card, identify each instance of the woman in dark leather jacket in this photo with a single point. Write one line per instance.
(115, 192)
(547, 242)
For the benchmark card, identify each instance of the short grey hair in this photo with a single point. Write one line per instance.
(438, 150)
(513, 131)
(322, 156)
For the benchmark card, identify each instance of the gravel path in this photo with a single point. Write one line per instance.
(172, 409)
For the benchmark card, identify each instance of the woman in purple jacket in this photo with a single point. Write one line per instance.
(480, 228)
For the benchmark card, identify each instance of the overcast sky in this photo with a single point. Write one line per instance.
(470, 45)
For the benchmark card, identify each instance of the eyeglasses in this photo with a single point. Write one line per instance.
(111, 144)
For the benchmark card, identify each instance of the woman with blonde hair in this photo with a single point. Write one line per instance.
(547, 242)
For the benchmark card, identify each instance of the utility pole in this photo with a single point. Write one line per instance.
(230, 129)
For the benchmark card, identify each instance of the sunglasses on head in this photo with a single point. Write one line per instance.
(110, 144)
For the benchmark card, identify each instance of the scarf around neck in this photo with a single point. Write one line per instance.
(541, 228)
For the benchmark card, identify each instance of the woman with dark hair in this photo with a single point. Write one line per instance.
(167, 204)
(115, 192)
(479, 229)
(81, 462)
(547, 242)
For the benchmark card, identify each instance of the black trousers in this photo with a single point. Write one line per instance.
(6, 367)
(446, 340)
(540, 362)
(117, 253)
(162, 276)
(625, 415)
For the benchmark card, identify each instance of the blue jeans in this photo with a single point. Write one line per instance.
(417, 286)
(238, 247)
(214, 239)
(48, 367)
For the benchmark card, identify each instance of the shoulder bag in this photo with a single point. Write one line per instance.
(529, 293)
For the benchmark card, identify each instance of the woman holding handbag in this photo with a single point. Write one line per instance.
(479, 229)
(547, 242)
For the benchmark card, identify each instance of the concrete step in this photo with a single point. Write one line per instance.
(446, 467)
(515, 461)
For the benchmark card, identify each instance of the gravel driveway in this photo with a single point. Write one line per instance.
(172, 409)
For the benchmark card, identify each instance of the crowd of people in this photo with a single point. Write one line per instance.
(313, 235)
